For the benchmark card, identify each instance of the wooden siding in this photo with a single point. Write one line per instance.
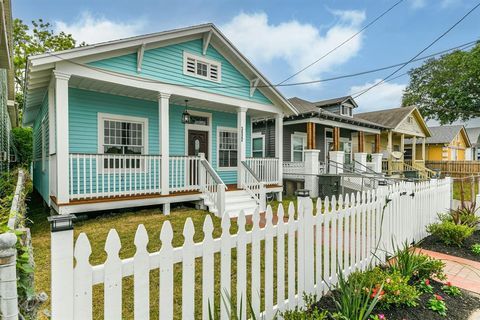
(41, 177)
(166, 64)
(268, 130)
(85, 106)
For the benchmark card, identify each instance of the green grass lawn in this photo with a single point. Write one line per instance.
(126, 224)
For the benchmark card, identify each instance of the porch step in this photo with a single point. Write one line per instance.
(236, 201)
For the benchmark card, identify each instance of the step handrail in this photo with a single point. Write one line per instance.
(253, 185)
(212, 186)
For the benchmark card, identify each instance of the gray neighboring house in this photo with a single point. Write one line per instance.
(326, 125)
(474, 136)
(8, 111)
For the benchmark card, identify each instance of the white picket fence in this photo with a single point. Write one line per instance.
(338, 234)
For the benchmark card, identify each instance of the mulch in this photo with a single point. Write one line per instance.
(433, 243)
(459, 308)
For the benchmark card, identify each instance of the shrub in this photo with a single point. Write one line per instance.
(22, 140)
(437, 304)
(425, 286)
(451, 290)
(395, 288)
(464, 215)
(310, 312)
(450, 233)
(475, 249)
(353, 300)
(415, 266)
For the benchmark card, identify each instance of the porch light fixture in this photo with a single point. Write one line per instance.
(185, 114)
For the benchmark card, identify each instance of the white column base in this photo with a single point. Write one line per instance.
(311, 170)
(337, 159)
(377, 162)
(360, 161)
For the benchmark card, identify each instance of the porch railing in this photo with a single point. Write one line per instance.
(212, 186)
(266, 169)
(108, 175)
(293, 167)
(253, 185)
(184, 173)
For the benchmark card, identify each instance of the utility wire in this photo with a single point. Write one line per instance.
(422, 51)
(344, 42)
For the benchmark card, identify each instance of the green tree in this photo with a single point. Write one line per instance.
(40, 38)
(447, 88)
(22, 141)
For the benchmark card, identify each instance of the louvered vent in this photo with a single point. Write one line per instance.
(190, 65)
(214, 72)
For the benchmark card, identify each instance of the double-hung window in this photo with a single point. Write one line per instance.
(201, 67)
(258, 145)
(298, 145)
(123, 136)
(227, 148)
(346, 111)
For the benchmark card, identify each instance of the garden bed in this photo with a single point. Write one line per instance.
(433, 243)
(459, 308)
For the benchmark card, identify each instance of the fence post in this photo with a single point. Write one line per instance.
(61, 227)
(450, 191)
(263, 197)
(8, 277)
(201, 172)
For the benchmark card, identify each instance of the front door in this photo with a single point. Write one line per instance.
(197, 143)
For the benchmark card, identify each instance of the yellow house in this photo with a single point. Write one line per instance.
(447, 143)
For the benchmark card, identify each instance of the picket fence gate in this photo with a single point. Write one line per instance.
(348, 234)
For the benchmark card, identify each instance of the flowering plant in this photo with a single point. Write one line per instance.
(379, 316)
(451, 290)
(425, 286)
(436, 303)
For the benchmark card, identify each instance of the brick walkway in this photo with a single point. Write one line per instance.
(462, 273)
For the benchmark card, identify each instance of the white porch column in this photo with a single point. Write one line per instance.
(414, 149)
(337, 159)
(377, 162)
(61, 121)
(164, 136)
(360, 161)
(241, 142)
(279, 145)
(311, 170)
(424, 155)
(402, 145)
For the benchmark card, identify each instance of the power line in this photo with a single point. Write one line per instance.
(344, 42)
(422, 51)
(126, 76)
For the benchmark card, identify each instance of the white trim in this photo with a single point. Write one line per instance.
(348, 114)
(101, 117)
(204, 60)
(253, 86)
(302, 135)
(44, 143)
(257, 135)
(331, 123)
(198, 127)
(140, 53)
(206, 41)
(228, 129)
(342, 139)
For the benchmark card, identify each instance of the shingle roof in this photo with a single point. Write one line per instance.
(389, 118)
(474, 136)
(304, 106)
(335, 101)
(440, 134)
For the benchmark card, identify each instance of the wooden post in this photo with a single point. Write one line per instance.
(361, 142)
(311, 136)
(414, 149)
(279, 147)
(423, 149)
(377, 143)
(402, 146)
(336, 139)
(389, 150)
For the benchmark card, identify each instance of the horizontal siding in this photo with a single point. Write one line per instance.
(166, 64)
(84, 107)
(41, 177)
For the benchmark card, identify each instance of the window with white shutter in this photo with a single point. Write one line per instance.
(201, 67)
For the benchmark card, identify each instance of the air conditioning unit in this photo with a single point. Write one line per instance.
(3, 156)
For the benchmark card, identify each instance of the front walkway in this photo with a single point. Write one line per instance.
(462, 273)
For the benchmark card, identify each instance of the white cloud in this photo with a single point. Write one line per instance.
(98, 29)
(385, 95)
(417, 4)
(295, 43)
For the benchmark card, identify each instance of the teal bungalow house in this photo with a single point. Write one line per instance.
(153, 119)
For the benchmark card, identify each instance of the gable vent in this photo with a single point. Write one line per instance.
(201, 67)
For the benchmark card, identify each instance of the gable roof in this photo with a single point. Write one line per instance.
(446, 134)
(336, 101)
(392, 118)
(311, 109)
(39, 66)
(474, 136)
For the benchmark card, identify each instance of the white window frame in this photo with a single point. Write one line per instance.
(204, 60)
(302, 135)
(200, 127)
(227, 129)
(258, 135)
(101, 118)
(349, 113)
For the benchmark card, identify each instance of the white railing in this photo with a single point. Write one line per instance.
(212, 186)
(253, 185)
(293, 167)
(266, 169)
(107, 175)
(344, 234)
(184, 173)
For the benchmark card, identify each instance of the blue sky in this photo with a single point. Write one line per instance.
(280, 37)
